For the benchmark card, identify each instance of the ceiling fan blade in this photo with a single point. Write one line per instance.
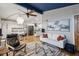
(26, 14)
(32, 14)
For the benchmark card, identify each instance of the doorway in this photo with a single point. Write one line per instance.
(30, 30)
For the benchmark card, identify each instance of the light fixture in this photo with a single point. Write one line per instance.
(20, 20)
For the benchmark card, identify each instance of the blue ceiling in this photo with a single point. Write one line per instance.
(41, 7)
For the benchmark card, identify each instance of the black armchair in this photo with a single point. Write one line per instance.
(13, 43)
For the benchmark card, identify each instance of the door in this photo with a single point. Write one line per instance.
(77, 31)
(30, 30)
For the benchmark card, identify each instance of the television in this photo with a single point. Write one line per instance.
(0, 32)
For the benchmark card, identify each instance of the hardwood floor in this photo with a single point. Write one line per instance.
(66, 52)
(71, 54)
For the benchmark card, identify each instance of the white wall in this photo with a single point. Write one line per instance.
(61, 14)
(0, 23)
(7, 9)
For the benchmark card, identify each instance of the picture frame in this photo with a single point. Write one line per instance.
(59, 25)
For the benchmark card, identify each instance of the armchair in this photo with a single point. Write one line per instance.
(13, 43)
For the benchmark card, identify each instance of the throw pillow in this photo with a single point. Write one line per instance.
(45, 35)
(60, 38)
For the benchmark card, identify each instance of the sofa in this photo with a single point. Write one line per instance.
(52, 39)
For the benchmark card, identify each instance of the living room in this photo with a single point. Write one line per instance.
(42, 31)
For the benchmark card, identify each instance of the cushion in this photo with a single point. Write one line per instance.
(60, 38)
(57, 37)
(45, 35)
(13, 42)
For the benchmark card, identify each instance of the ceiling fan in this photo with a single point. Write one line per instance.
(28, 13)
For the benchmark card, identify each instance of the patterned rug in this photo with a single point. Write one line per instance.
(49, 50)
(45, 50)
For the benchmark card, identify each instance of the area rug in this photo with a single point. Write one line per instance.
(45, 50)
(49, 50)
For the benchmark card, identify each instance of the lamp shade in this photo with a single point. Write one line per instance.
(20, 20)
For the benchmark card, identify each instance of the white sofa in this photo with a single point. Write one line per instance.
(52, 39)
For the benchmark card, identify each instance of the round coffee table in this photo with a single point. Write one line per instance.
(3, 51)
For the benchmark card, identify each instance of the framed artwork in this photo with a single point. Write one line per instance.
(60, 25)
